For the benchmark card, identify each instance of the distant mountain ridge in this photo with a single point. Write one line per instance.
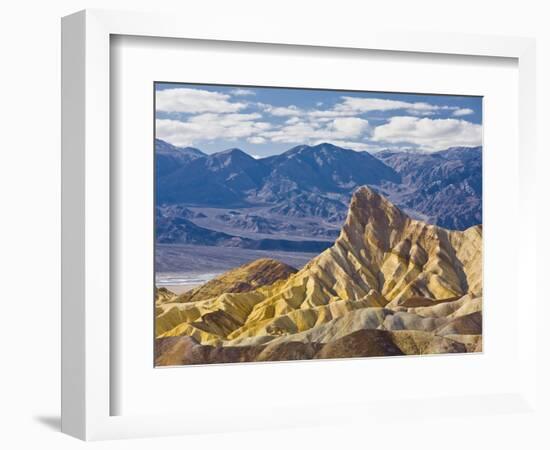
(233, 177)
(178, 230)
(326, 168)
(169, 157)
(316, 182)
(219, 179)
(445, 187)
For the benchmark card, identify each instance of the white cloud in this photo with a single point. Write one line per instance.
(350, 126)
(353, 106)
(256, 140)
(463, 112)
(329, 113)
(429, 134)
(281, 111)
(292, 120)
(364, 105)
(352, 145)
(242, 92)
(210, 127)
(310, 132)
(185, 100)
(218, 116)
(350, 106)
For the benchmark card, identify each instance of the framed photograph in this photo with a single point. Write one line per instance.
(364, 238)
(254, 217)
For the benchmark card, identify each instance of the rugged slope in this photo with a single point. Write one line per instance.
(178, 230)
(163, 295)
(219, 179)
(169, 157)
(248, 277)
(324, 168)
(298, 177)
(443, 187)
(417, 284)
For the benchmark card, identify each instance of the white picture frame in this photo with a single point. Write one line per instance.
(86, 216)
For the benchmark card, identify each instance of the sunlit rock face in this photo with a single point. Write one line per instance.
(390, 285)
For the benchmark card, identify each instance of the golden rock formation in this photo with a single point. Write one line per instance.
(248, 277)
(389, 285)
(163, 295)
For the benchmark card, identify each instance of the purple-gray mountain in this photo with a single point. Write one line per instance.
(303, 194)
(445, 187)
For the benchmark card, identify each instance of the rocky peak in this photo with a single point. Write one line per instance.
(369, 208)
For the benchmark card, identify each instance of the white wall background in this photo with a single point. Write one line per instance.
(30, 196)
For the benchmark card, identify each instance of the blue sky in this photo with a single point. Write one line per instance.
(267, 121)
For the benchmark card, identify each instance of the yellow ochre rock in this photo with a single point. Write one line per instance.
(386, 271)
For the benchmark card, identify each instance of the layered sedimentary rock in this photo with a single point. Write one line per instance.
(248, 277)
(389, 285)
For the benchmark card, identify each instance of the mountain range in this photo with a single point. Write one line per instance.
(444, 187)
(303, 193)
(234, 178)
(389, 285)
(169, 157)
